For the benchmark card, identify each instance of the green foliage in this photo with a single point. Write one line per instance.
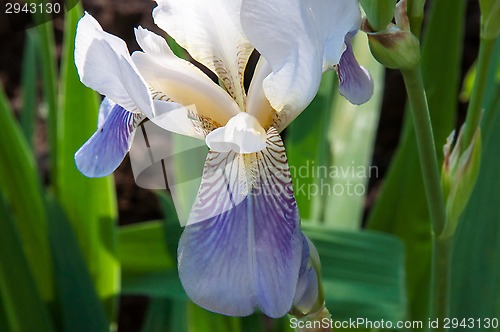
(93, 219)
(22, 189)
(351, 138)
(475, 271)
(20, 300)
(79, 306)
(401, 208)
(362, 273)
(29, 86)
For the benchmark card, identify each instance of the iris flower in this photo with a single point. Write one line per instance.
(242, 249)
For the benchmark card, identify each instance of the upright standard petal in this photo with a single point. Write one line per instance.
(105, 150)
(257, 103)
(211, 32)
(241, 249)
(104, 64)
(175, 80)
(355, 83)
(300, 39)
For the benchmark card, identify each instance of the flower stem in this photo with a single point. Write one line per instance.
(474, 110)
(432, 184)
(426, 148)
(440, 289)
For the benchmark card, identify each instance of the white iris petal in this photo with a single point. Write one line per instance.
(300, 39)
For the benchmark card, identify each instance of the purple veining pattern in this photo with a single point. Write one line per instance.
(105, 150)
(242, 247)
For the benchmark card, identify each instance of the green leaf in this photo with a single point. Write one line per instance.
(90, 204)
(29, 76)
(201, 320)
(172, 228)
(307, 149)
(362, 273)
(401, 208)
(156, 276)
(164, 284)
(79, 306)
(166, 315)
(492, 97)
(48, 57)
(21, 185)
(142, 248)
(475, 281)
(352, 137)
(22, 307)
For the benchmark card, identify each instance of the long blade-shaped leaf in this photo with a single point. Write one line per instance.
(20, 182)
(476, 260)
(156, 276)
(201, 320)
(29, 85)
(21, 304)
(79, 305)
(142, 248)
(166, 315)
(90, 204)
(363, 273)
(49, 74)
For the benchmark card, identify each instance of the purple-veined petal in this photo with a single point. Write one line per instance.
(105, 150)
(241, 249)
(104, 64)
(299, 39)
(355, 83)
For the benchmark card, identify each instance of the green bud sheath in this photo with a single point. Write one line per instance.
(378, 12)
(395, 47)
(458, 180)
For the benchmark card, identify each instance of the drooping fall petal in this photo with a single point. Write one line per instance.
(355, 83)
(105, 150)
(241, 249)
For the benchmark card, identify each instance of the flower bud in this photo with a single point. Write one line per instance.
(395, 47)
(378, 12)
(458, 177)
